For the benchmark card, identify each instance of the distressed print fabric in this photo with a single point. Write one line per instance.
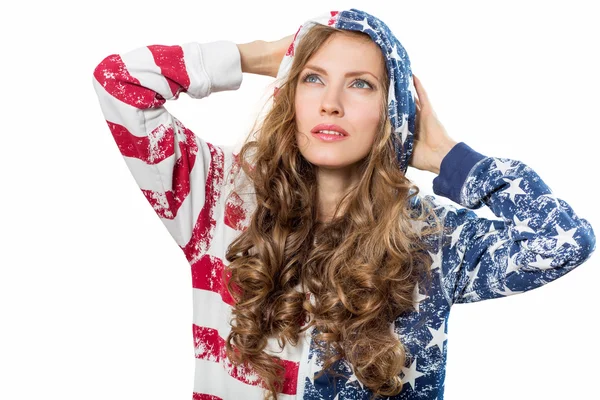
(536, 238)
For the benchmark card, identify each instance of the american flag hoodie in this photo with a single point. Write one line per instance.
(535, 239)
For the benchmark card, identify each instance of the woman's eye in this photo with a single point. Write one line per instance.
(359, 83)
(362, 84)
(309, 78)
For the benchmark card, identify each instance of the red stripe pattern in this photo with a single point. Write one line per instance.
(207, 274)
(202, 396)
(206, 222)
(112, 74)
(172, 66)
(210, 346)
(132, 94)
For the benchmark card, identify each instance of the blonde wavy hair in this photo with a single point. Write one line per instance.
(361, 267)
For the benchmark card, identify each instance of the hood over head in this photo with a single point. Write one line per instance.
(401, 95)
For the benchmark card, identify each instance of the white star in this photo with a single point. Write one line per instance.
(353, 378)
(411, 89)
(492, 249)
(458, 263)
(394, 54)
(513, 190)
(542, 263)
(456, 235)
(523, 225)
(365, 25)
(439, 337)
(503, 166)
(411, 374)
(417, 297)
(490, 231)
(512, 266)
(392, 90)
(472, 275)
(436, 259)
(402, 129)
(565, 237)
(460, 254)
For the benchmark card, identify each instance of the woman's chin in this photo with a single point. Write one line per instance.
(328, 163)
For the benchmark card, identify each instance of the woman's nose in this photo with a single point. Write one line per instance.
(331, 103)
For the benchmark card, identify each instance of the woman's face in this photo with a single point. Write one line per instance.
(340, 85)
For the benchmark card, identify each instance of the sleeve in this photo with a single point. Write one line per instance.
(180, 174)
(537, 238)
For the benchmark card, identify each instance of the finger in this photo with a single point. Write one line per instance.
(420, 90)
(416, 85)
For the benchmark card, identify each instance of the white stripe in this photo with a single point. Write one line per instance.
(141, 65)
(223, 235)
(120, 113)
(159, 177)
(303, 369)
(181, 227)
(146, 175)
(211, 378)
(211, 312)
(139, 121)
(199, 79)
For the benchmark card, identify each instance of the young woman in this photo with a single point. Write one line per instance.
(318, 270)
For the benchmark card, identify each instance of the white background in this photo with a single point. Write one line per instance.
(95, 296)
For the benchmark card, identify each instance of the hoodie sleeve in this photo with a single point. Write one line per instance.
(170, 164)
(537, 238)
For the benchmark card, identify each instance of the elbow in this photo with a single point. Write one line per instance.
(107, 69)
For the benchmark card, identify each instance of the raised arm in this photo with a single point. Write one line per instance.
(537, 239)
(179, 173)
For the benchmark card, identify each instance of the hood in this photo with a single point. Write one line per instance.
(401, 95)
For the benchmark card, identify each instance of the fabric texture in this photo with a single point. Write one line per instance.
(535, 238)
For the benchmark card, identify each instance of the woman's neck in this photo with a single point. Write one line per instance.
(332, 185)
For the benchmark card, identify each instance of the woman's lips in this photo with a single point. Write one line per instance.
(329, 127)
(329, 138)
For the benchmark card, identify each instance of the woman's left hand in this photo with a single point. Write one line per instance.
(431, 143)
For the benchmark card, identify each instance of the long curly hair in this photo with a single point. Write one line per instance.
(360, 268)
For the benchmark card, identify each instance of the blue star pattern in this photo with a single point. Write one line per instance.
(537, 239)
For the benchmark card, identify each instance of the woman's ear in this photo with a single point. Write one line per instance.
(275, 91)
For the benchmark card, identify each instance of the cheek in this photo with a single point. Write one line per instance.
(368, 115)
(301, 105)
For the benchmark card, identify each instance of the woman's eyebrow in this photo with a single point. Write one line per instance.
(350, 73)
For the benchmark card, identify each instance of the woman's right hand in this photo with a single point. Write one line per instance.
(278, 50)
(263, 58)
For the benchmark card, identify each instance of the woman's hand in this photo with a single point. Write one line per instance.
(432, 142)
(263, 58)
(278, 49)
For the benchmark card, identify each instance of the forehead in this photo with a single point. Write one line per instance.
(344, 52)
